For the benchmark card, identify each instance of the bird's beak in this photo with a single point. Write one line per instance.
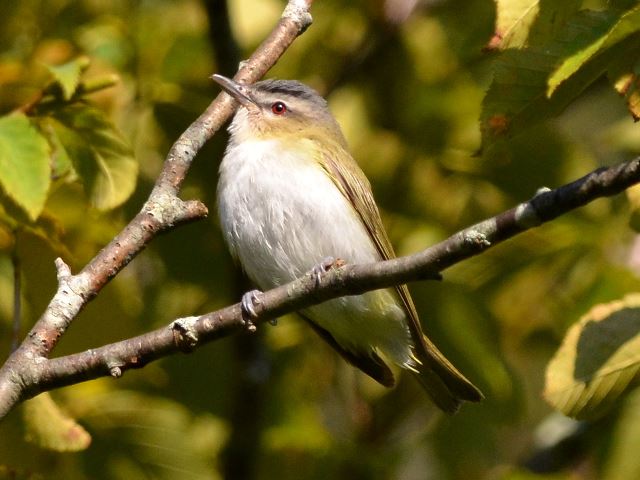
(236, 90)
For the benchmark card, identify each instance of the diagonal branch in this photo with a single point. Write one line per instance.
(162, 211)
(189, 333)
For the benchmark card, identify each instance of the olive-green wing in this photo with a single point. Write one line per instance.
(354, 185)
(369, 362)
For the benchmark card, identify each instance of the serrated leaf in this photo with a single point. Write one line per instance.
(67, 75)
(24, 164)
(516, 99)
(513, 21)
(593, 42)
(524, 22)
(100, 155)
(597, 361)
(47, 427)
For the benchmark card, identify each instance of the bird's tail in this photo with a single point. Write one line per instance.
(446, 386)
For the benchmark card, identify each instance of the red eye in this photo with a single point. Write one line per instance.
(279, 108)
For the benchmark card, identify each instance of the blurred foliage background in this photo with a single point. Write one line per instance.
(406, 80)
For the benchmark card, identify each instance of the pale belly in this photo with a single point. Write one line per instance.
(280, 217)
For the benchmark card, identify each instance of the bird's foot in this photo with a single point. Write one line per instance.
(323, 267)
(248, 302)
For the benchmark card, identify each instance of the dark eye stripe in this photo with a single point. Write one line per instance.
(292, 92)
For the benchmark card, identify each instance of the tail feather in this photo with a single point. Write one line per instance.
(438, 391)
(442, 381)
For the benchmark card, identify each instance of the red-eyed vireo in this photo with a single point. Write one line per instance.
(290, 196)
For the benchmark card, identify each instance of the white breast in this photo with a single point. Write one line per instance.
(281, 214)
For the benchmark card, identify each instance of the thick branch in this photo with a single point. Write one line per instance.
(162, 211)
(189, 333)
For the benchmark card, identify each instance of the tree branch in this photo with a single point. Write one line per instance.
(162, 211)
(189, 333)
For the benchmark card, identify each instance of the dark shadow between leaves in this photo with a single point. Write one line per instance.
(599, 341)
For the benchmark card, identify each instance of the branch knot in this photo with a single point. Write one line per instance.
(185, 335)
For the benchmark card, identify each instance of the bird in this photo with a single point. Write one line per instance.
(291, 199)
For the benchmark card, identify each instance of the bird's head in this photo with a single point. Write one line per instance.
(273, 109)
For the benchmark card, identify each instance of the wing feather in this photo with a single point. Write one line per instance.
(355, 186)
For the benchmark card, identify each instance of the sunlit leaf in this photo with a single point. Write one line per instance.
(593, 41)
(67, 75)
(517, 99)
(514, 19)
(100, 154)
(24, 163)
(517, 21)
(48, 427)
(597, 361)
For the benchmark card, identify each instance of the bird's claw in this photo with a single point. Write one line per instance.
(248, 302)
(321, 268)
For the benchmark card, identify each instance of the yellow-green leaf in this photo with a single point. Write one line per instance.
(593, 42)
(519, 23)
(517, 100)
(513, 21)
(24, 163)
(597, 361)
(100, 155)
(48, 427)
(67, 75)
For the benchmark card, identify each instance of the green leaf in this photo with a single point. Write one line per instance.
(24, 164)
(61, 163)
(525, 22)
(593, 42)
(597, 361)
(67, 76)
(513, 21)
(49, 428)
(100, 154)
(517, 100)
